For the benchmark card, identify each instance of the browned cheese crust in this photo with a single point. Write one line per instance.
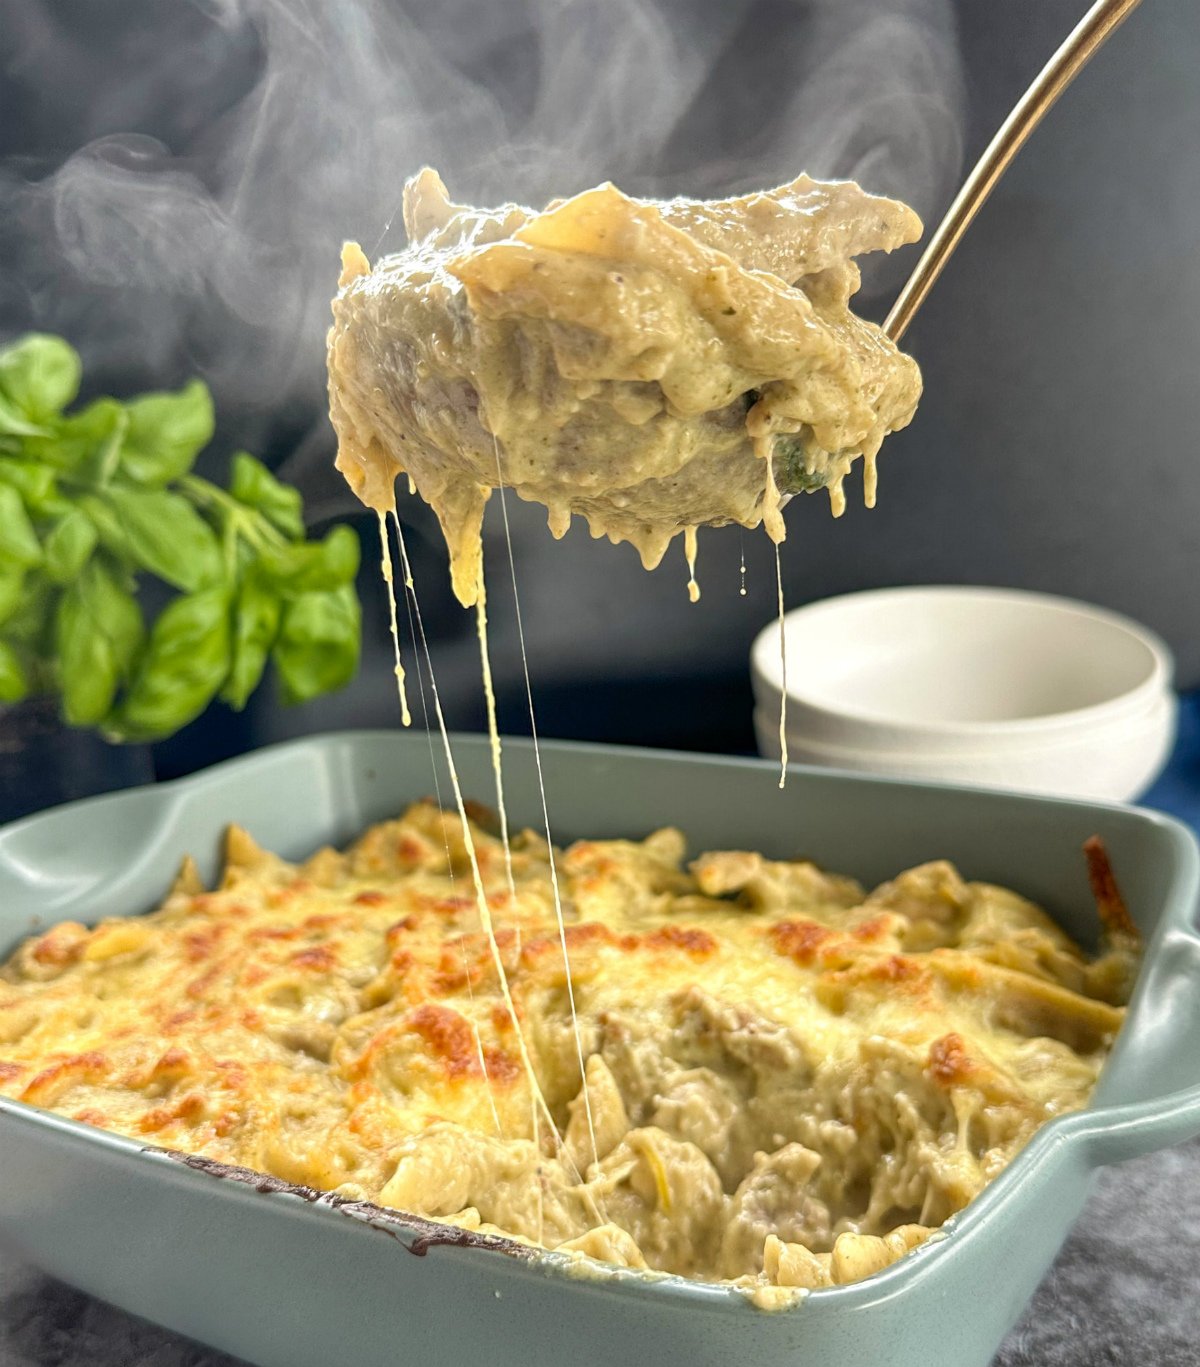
(791, 1081)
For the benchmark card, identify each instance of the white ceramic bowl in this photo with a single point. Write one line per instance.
(991, 686)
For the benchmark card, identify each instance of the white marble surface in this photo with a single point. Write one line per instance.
(1125, 1291)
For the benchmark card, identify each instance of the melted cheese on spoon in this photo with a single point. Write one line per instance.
(633, 362)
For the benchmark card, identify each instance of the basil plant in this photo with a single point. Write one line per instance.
(94, 500)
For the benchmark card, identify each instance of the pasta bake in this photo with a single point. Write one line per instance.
(790, 1081)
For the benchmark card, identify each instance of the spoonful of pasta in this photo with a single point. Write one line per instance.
(651, 366)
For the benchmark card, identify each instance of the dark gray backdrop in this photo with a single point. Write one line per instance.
(175, 181)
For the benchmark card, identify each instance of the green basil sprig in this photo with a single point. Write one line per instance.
(95, 500)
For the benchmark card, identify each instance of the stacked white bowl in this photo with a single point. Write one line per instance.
(996, 687)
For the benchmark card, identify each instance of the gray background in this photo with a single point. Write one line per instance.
(174, 181)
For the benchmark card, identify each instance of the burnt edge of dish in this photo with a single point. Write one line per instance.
(393, 1223)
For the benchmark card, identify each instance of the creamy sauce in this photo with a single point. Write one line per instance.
(636, 363)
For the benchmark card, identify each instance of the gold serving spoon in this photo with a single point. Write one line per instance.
(1101, 21)
(1098, 24)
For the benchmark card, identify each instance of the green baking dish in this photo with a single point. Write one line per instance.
(280, 1275)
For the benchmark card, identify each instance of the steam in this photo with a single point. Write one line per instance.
(272, 129)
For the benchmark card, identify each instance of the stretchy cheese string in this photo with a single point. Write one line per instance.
(409, 600)
(489, 693)
(485, 911)
(537, 759)
(437, 783)
(783, 755)
(776, 530)
(689, 552)
(462, 948)
(413, 603)
(389, 579)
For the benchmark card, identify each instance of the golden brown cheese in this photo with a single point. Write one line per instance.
(635, 362)
(790, 1081)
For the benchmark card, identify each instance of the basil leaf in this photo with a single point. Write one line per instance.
(184, 663)
(69, 546)
(13, 423)
(116, 610)
(108, 525)
(167, 536)
(98, 628)
(86, 669)
(254, 485)
(29, 623)
(256, 624)
(12, 581)
(318, 645)
(13, 683)
(39, 375)
(314, 565)
(88, 441)
(18, 540)
(33, 480)
(166, 433)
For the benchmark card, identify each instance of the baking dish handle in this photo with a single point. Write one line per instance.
(1117, 1133)
(1171, 1008)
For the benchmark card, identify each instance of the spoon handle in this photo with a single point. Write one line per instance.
(1103, 19)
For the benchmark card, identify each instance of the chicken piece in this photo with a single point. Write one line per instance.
(772, 1200)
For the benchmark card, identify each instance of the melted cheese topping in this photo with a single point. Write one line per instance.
(790, 1081)
(637, 363)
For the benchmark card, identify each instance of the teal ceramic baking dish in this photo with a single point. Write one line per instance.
(278, 1275)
